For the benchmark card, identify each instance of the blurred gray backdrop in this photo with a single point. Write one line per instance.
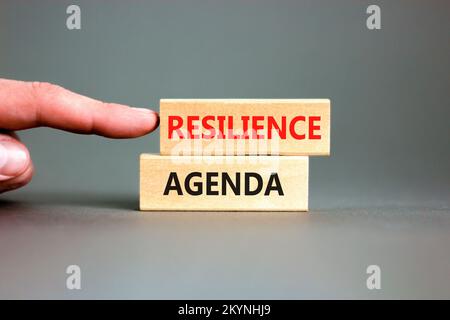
(390, 88)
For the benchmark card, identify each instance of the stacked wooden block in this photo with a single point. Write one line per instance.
(234, 154)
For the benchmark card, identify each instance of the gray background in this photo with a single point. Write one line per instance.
(382, 198)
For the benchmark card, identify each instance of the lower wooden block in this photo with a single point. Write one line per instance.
(223, 183)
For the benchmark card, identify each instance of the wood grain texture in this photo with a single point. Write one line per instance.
(246, 114)
(284, 183)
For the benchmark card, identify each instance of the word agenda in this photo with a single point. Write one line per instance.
(194, 184)
(228, 183)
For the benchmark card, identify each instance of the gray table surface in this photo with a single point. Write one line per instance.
(123, 253)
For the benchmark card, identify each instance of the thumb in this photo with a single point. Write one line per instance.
(16, 168)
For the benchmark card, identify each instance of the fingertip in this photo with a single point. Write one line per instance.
(154, 121)
(119, 121)
(148, 120)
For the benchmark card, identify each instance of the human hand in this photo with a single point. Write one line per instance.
(25, 105)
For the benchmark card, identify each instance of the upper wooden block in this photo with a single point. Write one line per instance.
(245, 127)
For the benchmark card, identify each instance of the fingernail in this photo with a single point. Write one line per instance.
(13, 160)
(143, 110)
(149, 112)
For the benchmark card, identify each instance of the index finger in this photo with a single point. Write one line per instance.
(26, 105)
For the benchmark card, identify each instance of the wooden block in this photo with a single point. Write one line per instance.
(245, 126)
(223, 183)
